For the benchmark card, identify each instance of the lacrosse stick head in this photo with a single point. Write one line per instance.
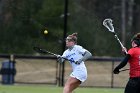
(108, 24)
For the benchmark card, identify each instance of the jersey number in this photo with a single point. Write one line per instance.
(71, 60)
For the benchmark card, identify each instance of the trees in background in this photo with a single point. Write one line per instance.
(22, 23)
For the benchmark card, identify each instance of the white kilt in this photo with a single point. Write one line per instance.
(79, 73)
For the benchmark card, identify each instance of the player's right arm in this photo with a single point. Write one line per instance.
(60, 58)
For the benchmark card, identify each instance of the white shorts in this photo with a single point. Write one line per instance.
(80, 74)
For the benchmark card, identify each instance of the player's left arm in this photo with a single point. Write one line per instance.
(86, 55)
(122, 64)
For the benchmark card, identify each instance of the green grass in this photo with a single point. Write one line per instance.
(52, 89)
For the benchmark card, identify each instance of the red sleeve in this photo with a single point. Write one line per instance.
(130, 51)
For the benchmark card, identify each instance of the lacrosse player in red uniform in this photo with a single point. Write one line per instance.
(133, 57)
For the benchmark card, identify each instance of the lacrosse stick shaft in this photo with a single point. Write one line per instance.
(129, 69)
(40, 50)
(124, 70)
(51, 53)
(120, 43)
(55, 55)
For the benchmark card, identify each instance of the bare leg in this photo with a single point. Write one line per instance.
(71, 84)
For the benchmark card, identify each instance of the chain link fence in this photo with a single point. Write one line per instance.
(46, 70)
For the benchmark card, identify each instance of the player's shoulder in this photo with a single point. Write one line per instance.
(66, 51)
(134, 50)
(77, 46)
(131, 49)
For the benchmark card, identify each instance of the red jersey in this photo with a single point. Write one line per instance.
(134, 62)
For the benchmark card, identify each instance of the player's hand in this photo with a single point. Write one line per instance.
(116, 71)
(59, 58)
(78, 62)
(124, 50)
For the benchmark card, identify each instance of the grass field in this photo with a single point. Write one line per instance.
(52, 89)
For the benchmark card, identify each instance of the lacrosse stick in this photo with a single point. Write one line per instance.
(129, 69)
(124, 69)
(44, 51)
(108, 24)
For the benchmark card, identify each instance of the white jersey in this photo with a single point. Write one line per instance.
(79, 70)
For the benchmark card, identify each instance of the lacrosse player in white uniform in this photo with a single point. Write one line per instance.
(77, 54)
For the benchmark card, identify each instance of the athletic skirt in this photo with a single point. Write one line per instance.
(79, 73)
